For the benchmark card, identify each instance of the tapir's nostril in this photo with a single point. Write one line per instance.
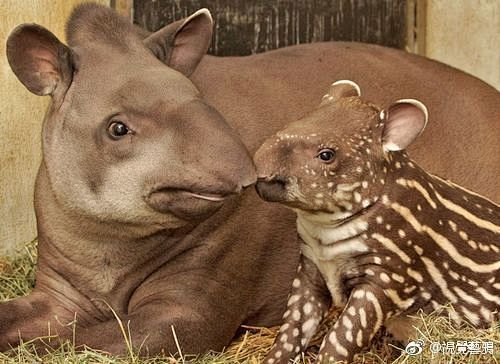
(271, 189)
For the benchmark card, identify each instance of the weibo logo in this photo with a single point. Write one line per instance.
(414, 347)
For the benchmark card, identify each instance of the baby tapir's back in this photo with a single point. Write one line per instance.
(438, 244)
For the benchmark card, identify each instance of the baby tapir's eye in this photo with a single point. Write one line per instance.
(117, 129)
(326, 155)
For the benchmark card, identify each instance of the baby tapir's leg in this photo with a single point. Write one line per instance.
(309, 302)
(364, 314)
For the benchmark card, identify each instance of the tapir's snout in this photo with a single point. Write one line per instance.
(271, 189)
(215, 164)
(197, 198)
(247, 175)
(271, 181)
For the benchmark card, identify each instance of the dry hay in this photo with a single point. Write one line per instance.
(17, 279)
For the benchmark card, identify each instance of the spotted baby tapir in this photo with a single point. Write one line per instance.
(381, 237)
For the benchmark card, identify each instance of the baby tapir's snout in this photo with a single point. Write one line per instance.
(290, 162)
(271, 189)
(271, 180)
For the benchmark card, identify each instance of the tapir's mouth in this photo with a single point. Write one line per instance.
(187, 204)
(208, 197)
(202, 195)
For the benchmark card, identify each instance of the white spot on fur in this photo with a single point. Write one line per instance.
(309, 326)
(369, 272)
(284, 327)
(293, 299)
(398, 278)
(362, 317)
(359, 338)
(308, 308)
(415, 275)
(384, 277)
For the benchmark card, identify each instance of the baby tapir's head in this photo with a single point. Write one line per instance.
(335, 159)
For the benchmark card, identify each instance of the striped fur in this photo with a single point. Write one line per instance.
(387, 238)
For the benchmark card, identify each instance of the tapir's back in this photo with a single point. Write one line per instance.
(259, 94)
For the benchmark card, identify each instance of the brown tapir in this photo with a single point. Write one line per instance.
(140, 197)
(380, 237)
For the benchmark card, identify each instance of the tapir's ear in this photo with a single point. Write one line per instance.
(182, 44)
(39, 60)
(340, 89)
(404, 121)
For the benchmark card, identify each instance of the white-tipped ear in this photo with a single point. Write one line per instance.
(350, 83)
(340, 89)
(182, 44)
(404, 121)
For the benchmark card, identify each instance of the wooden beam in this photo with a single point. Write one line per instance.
(416, 15)
(123, 7)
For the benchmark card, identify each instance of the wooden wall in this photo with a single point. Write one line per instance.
(21, 116)
(466, 35)
(245, 27)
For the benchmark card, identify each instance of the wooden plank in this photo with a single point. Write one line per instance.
(421, 28)
(21, 115)
(246, 27)
(464, 34)
(123, 7)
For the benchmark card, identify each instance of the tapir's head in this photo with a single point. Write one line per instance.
(128, 138)
(334, 159)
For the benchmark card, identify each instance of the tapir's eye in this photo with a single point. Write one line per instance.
(117, 129)
(326, 155)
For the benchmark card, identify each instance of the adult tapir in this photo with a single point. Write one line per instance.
(140, 198)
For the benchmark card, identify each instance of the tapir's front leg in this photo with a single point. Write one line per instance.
(155, 323)
(364, 314)
(308, 303)
(29, 317)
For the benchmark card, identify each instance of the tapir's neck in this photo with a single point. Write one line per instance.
(103, 261)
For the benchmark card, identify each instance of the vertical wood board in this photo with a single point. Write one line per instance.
(248, 27)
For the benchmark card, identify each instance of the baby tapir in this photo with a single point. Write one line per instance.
(381, 237)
